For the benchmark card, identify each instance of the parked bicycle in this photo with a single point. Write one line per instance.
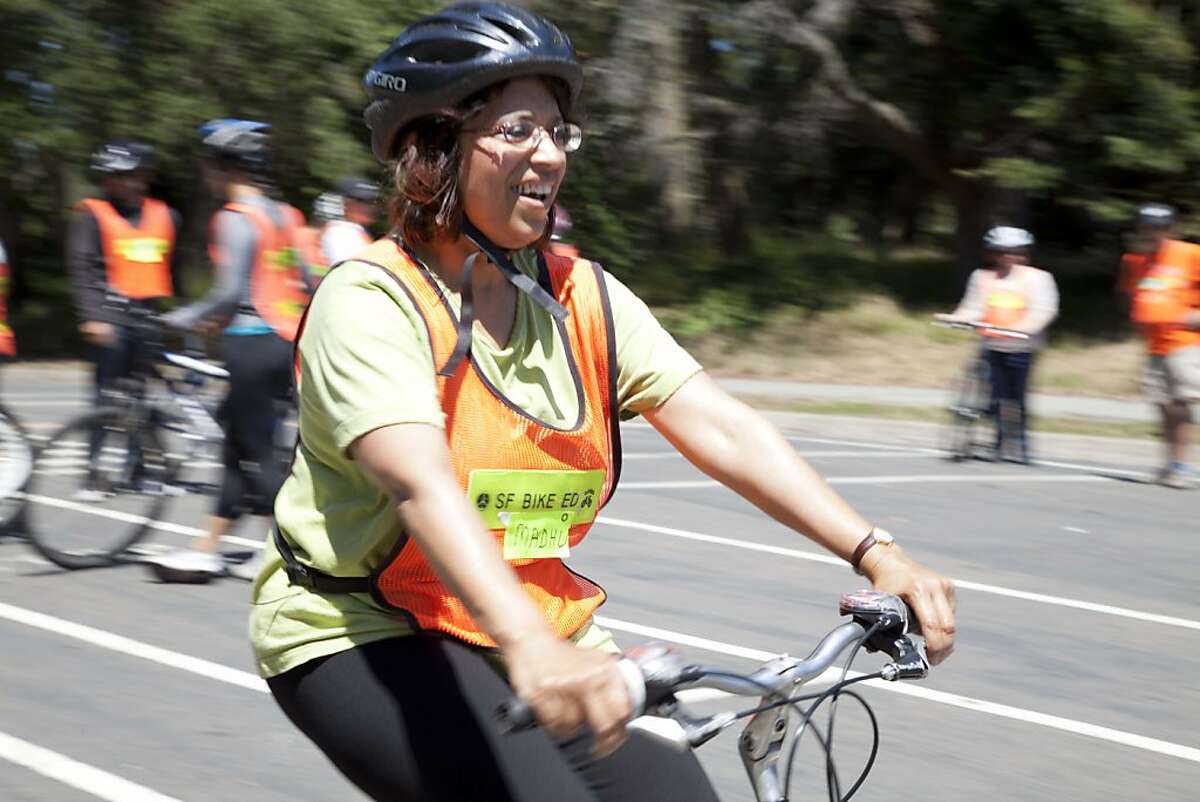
(106, 477)
(655, 673)
(965, 435)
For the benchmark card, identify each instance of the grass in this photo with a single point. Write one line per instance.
(876, 341)
(1099, 428)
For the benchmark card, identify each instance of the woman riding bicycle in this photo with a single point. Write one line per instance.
(1009, 295)
(259, 294)
(459, 395)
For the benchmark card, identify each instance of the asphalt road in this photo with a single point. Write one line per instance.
(1074, 677)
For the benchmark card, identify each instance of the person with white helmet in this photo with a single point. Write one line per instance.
(347, 234)
(461, 388)
(1162, 281)
(1009, 295)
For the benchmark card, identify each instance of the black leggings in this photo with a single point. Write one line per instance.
(411, 718)
(259, 381)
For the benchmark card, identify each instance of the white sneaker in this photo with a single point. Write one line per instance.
(187, 565)
(248, 570)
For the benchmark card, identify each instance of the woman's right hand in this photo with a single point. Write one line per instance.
(568, 687)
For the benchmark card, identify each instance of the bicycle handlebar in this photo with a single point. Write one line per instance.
(654, 672)
(974, 325)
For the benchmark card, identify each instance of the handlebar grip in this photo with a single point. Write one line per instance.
(515, 716)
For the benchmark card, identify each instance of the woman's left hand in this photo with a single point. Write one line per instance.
(928, 594)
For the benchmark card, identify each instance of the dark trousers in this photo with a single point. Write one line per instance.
(113, 362)
(260, 380)
(1010, 381)
(411, 719)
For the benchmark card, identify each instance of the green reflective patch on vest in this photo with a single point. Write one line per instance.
(519, 494)
(283, 259)
(144, 250)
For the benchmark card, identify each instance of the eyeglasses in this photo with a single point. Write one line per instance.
(566, 136)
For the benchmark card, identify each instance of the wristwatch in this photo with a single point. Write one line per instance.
(876, 537)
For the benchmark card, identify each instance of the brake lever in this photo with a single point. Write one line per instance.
(908, 660)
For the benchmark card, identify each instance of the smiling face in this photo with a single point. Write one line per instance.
(508, 189)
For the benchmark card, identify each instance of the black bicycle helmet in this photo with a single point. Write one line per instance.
(1156, 214)
(123, 156)
(443, 59)
(245, 143)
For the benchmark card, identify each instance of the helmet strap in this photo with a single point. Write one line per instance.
(466, 314)
(500, 258)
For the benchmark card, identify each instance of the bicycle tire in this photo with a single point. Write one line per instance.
(16, 465)
(970, 405)
(130, 491)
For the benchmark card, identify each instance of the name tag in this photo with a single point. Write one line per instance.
(536, 535)
(145, 250)
(536, 509)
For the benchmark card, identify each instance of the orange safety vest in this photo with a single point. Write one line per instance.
(1168, 291)
(488, 435)
(277, 288)
(8, 343)
(1133, 268)
(137, 260)
(1004, 305)
(559, 248)
(308, 240)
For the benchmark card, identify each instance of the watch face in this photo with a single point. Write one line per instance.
(884, 536)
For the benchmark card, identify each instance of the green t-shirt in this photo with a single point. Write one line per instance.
(366, 363)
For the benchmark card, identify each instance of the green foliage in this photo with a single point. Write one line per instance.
(1058, 115)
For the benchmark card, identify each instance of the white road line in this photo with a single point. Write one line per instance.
(89, 779)
(247, 680)
(32, 402)
(163, 526)
(1074, 466)
(133, 648)
(640, 455)
(899, 479)
(828, 559)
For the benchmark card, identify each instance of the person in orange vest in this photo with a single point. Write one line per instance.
(258, 297)
(1165, 306)
(460, 394)
(1010, 294)
(1151, 217)
(8, 342)
(121, 255)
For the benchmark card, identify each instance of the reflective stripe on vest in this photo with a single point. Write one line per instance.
(137, 260)
(277, 288)
(1004, 306)
(8, 343)
(308, 240)
(537, 487)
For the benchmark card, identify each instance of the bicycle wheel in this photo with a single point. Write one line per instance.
(96, 487)
(16, 463)
(970, 405)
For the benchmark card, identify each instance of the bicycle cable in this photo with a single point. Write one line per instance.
(831, 778)
(833, 784)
